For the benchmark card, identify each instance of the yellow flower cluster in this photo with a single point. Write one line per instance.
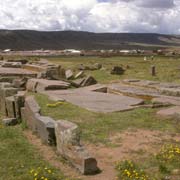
(127, 170)
(41, 174)
(55, 104)
(169, 152)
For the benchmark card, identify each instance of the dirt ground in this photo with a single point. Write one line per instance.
(127, 146)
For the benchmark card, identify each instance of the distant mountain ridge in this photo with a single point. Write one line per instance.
(57, 40)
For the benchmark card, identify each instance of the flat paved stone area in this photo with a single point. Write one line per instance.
(133, 90)
(96, 101)
(16, 72)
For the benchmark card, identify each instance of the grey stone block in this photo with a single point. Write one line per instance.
(10, 107)
(9, 122)
(45, 129)
(68, 146)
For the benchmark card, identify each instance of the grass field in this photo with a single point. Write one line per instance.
(168, 68)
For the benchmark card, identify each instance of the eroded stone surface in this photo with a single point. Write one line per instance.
(170, 112)
(68, 145)
(38, 85)
(17, 72)
(9, 121)
(41, 125)
(96, 101)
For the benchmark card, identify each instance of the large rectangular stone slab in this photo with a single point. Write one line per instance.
(39, 85)
(32, 111)
(96, 101)
(17, 72)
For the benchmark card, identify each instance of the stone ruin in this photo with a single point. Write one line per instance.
(16, 79)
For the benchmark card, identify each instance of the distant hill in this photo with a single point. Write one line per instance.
(32, 40)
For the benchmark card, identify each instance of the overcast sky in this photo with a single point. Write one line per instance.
(160, 16)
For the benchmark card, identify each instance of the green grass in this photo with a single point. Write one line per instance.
(98, 127)
(167, 67)
(18, 156)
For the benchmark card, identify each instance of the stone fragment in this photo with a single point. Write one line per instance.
(39, 85)
(97, 66)
(117, 70)
(45, 129)
(69, 74)
(22, 61)
(19, 99)
(170, 112)
(12, 64)
(77, 82)
(19, 83)
(55, 73)
(10, 107)
(18, 72)
(79, 75)
(89, 80)
(32, 111)
(5, 91)
(9, 122)
(68, 146)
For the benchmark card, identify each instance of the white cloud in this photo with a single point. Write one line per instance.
(92, 15)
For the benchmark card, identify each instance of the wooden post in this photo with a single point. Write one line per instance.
(153, 70)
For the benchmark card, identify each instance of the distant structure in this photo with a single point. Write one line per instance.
(7, 50)
(72, 51)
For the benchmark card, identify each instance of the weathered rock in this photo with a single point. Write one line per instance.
(19, 83)
(79, 75)
(31, 85)
(19, 99)
(5, 91)
(69, 74)
(55, 73)
(45, 129)
(10, 122)
(12, 64)
(41, 125)
(117, 70)
(22, 61)
(68, 145)
(39, 85)
(88, 81)
(82, 67)
(77, 82)
(97, 66)
(10, 107)
(34, 67)
(32, 111)
(18, 72)
(170, 112)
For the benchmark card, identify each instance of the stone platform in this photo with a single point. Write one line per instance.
(16, 72)
(96, 101)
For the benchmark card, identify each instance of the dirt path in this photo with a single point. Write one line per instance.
(128, 144)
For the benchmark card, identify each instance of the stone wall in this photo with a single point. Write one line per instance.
(17, 107)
